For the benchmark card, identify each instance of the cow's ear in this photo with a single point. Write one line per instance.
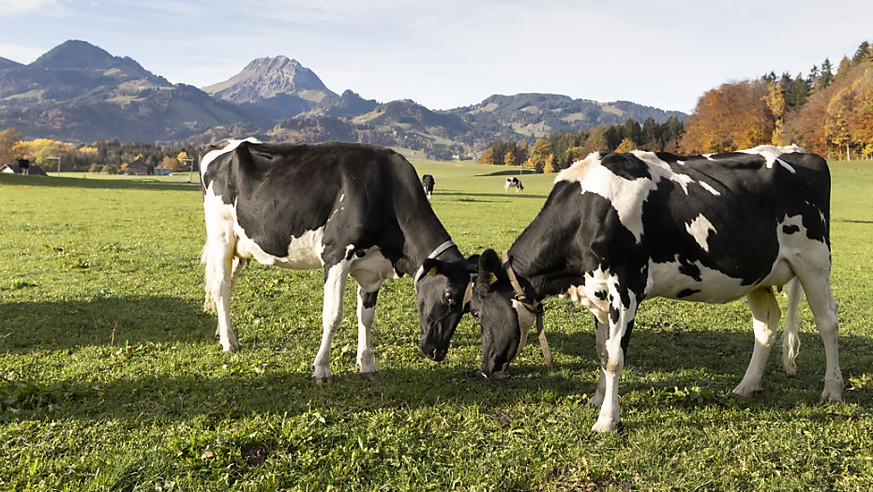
(490, 269)
(473, 264)
(433, 267)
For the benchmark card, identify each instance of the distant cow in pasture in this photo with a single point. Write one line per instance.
(618, 229)
(24, 165)
(427, 183)
(352, 210)
(513, 182)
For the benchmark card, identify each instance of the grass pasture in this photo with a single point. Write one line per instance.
(111, 377)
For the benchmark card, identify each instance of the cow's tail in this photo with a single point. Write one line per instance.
(790, 335)
(209, 300)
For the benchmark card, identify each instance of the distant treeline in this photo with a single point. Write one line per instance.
(824, 112)
(108, 156)
(555, 152)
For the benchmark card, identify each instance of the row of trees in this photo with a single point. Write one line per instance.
(555, 152)
(104, 156)
(827, 113)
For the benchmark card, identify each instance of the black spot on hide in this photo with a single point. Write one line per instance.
(686, 293)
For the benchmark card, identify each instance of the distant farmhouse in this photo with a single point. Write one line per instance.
(139, 168)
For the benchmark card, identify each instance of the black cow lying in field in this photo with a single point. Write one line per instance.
(353, 210)
(622, 228)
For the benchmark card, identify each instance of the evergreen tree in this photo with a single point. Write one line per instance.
(863, 53)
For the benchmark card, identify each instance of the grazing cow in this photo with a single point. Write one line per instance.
(621, 228)
(353, 210)
(513, 182)
(427, 183)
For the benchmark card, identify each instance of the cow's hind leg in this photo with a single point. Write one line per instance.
(366, 313)
(765, 319)
(816, 285)
(220, 270)
(331, 315)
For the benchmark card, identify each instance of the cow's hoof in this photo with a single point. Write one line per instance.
(744, 390)
(832, 395)
(604, 425)
(320, 380)
(369, 376)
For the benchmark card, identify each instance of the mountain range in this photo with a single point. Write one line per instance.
(79, 92)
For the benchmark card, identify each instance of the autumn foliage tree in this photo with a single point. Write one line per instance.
(839, 120)
(733, 116)
(825, 112)
(8, 138)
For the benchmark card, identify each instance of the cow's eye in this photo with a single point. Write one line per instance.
(449, 298)
(475, 313)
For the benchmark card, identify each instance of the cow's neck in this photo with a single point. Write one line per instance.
(546, 275)
(423, 234)
(544, 254)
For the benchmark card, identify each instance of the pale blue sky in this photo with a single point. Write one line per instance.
(451, 53)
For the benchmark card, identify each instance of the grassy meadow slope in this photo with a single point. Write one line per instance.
(111, 377)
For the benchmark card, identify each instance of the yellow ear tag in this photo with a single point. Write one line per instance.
(432, 272)
(492, 279)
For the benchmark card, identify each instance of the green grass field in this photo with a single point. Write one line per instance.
(111, 377)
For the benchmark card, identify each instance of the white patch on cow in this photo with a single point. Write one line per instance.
(627, 196)
(699, 229)
(526, 320)
(771, 154)
(371, 269)
(596, 282)
(706, 186)
(660, 169)
(304, 252)
(230, 147)
(219, 216)
(713, 287)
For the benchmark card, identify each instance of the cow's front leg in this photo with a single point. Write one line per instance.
(621, 320)
(331, 316)
(366, 313)
(601, 333)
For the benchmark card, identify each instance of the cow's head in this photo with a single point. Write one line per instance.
(443, 289)
(504, 314)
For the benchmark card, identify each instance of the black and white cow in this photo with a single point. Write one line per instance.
(427, 183)
(513, 182)
(353, 210)
(621, 228)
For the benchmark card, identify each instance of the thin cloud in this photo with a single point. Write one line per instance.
(13, 8)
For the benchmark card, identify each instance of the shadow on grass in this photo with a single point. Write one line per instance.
(158, 383)
(113, 184)
(490, 197)
(28, 326)
(510, 172)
